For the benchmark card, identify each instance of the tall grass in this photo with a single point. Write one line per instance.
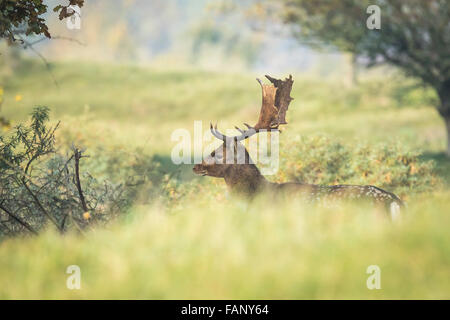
(228, 250)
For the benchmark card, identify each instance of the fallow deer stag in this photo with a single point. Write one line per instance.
(243, 177)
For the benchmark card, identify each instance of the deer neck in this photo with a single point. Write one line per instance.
(245, 179)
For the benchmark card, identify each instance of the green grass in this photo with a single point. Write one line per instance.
(192, 240)
(235, 252)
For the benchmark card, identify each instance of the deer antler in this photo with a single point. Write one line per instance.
(244, 134)
(275, 102)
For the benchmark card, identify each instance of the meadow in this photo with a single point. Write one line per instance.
(185, 237)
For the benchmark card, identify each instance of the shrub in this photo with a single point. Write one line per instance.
(38, 185)
(320, 160)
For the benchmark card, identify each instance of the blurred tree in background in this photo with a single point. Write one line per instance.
(414, 36)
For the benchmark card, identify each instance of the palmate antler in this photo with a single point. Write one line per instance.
(275, 102)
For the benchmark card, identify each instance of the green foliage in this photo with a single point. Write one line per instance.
(411, 34)
(38, 185)
(14, 14)
(320, 160)
(26, 17)
(231, 251)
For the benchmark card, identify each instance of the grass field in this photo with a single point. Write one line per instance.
(185, 237)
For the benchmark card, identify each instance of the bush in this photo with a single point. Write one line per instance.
(319, 160)
(38, 185)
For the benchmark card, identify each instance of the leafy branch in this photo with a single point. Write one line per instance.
(38, 185)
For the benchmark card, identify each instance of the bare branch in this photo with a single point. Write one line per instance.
(41, 207)
(77, 155)
(18, 220)
(28, 45)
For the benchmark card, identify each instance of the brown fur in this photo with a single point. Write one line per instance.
(246, 180)
(243, 177)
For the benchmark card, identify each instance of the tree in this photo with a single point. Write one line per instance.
(25, 17)
(19, 18)
(414, 36)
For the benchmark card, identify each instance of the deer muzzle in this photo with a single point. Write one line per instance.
(199, 169)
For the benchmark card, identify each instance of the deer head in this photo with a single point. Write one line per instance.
(231, 160)
(230, 157)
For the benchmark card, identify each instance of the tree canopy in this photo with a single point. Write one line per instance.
(26, 17)
(414, 36)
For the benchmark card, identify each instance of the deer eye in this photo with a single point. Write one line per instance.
(213, 154)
